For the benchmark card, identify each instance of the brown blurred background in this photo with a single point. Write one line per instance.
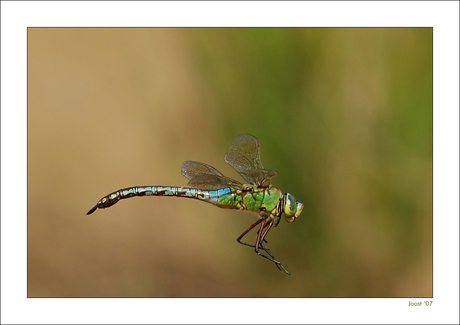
(344, 115)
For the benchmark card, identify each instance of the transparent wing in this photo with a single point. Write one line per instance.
(244, 156)
(206, 177)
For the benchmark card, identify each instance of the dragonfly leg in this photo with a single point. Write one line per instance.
(263, 231)
(263, 240)
(259, 231)
(246, 231)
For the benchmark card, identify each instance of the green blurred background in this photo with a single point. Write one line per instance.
(343, 114)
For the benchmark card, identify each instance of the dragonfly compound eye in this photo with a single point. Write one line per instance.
(292, 208)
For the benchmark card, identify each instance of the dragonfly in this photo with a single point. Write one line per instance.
(209, 185)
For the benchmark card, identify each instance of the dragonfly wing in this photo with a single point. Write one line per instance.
(261, 177)
(192, 169)
(206, 177)
(244, 156)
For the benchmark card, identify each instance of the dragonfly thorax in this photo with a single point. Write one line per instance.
(270, 202)
(265, 200)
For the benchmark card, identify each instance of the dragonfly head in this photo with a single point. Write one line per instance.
(292, 208)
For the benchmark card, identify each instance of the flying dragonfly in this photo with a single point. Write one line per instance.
(209, 185)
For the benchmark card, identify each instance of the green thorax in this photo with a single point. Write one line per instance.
(259, 198)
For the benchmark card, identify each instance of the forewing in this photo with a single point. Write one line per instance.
(244, 156)
(206, 177)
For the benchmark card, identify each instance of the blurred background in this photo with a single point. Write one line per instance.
(343, 114)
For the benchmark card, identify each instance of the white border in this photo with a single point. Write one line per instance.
(17, 16)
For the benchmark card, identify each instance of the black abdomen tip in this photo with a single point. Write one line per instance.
(94, 208)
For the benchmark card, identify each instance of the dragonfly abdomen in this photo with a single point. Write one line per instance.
(223, 198)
